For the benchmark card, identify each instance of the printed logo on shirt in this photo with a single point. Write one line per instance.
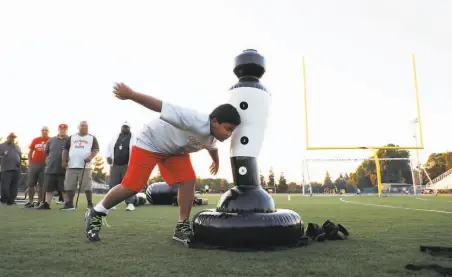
(80, 143)
(40, 146)
(195, 143)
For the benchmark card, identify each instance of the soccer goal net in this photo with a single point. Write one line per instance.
(359, 176)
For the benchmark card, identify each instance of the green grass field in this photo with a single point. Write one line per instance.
(382, 241)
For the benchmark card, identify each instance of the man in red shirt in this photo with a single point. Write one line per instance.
(36, 166)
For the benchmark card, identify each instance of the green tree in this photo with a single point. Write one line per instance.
(340, 182)
(316, 187)
(394, 171)
(327, 183)
(365, 175)
(437, 164)
(98, 173)
(293, 187)
(271, 178)
(262, 181)
(282, 184)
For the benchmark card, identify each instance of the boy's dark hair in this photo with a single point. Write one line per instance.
(226, 113)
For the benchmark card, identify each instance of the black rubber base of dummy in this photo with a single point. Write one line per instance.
(248, 230)
(302, 242)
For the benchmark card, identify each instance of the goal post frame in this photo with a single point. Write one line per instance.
(361, 147)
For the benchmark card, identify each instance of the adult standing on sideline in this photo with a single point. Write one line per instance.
(36, 166)
(78, 153)
(118, 155)
(10, 155)
(54, 171)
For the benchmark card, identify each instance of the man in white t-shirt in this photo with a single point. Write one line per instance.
(167, 142)
(78, 152)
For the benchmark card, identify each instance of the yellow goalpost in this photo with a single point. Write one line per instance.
(371, 148)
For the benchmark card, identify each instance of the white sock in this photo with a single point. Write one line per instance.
(100, 208)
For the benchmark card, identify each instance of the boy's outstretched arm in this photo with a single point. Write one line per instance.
(179, 117)
(215, 161)
(123, 92)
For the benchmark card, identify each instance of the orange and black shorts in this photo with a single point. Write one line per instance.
(174, 169)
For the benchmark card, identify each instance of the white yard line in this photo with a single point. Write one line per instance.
(396, 207)
(424, 199)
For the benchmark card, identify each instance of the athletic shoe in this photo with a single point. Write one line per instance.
(60, 202)
(43, 206)
(93, 224)
(67, 207)
(130, 207)
(183, 232)
(29, 205)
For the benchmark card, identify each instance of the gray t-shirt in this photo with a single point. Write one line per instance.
(53, 150)
(10, 156)
(178, 130)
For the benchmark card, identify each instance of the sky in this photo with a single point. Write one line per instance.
(60, 59)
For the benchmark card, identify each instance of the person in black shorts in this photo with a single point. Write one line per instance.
(54, 173)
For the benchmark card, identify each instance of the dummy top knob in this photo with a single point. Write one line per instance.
(249, 63)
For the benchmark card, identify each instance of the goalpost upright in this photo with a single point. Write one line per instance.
(360, 147)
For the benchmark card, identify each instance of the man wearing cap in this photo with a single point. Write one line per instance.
(37, 163)
(54, 173)
(10, 155)
(118, 154)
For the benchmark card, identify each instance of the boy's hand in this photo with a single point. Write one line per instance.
(122, 91)
(214, 168)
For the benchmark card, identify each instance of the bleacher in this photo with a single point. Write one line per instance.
(442, 182)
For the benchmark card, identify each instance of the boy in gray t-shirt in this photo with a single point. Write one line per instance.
(167, 142)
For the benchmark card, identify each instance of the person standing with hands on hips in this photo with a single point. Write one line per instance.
(79, 150)
(118, 156)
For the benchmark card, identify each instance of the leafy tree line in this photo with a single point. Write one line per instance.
(365, 175)
(437, 164)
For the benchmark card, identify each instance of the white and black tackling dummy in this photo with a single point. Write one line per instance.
(246, 215)
(252, 101)
(160, 193)
(136, 200)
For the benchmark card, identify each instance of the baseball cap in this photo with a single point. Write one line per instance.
(12, 134)
(62, 126)
(126, 123)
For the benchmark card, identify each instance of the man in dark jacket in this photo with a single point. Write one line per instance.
(10, 155)
(54, 173)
